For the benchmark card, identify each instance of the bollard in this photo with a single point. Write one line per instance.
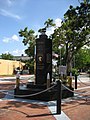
(48, 80)
(58, 97)
(75, 81)
(70, 81)
(17, 80)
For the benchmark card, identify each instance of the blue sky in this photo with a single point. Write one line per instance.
(18, 14)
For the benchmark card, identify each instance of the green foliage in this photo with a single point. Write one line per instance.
(74, 71)
(29, 36)
(7, 56)
(30, 65)
(29, 41)
(49, 23)
(82, 59)
(74, 32)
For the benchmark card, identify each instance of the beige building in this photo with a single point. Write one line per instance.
(7, 66)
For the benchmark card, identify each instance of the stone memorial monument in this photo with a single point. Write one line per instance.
(43, 73)
(43, 59)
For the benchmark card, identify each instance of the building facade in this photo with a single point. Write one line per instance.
(7, 67)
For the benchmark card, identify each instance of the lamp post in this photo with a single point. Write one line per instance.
(60, 47)
(66, 51)
(60, 53)
(74, 55)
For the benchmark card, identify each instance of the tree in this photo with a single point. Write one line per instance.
(82, 59)
(7, 56)
(29, 41)
(48, 23)
(74, 32)
(29, 38)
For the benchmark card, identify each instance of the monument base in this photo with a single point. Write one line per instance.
(66, 93)
(30, 92)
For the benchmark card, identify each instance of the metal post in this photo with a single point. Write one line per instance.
(58, 97)
(17, 80)
(75, 81)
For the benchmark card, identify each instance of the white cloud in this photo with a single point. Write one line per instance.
(6, 3)
(9, 14)
(18, 52)
(6, 52)
(58, 22)
(6, 40)
(51, 29)
(9, 2)
(15, 38)
(6, 7)
(12, 38)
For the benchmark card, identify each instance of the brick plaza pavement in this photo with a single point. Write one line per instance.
(76, 108)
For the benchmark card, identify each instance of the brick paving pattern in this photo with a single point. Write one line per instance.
(12, 110)
(77, 108)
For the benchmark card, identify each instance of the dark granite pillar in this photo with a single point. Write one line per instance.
(43, 59)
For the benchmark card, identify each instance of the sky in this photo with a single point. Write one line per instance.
(18, 14)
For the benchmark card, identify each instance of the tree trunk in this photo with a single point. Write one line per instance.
(69, 63)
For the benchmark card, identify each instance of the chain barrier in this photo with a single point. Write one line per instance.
(31, 77)
(29, 95)
(73, 91)
(4, 92)
(79, 93)
(22, 82)
(82, 82)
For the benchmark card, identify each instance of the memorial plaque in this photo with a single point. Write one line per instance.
(62, 70)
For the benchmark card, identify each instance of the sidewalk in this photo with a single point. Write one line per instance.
(14, 77)
(16, 110)
(37, 110)
(75, 108)
(78, 107)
